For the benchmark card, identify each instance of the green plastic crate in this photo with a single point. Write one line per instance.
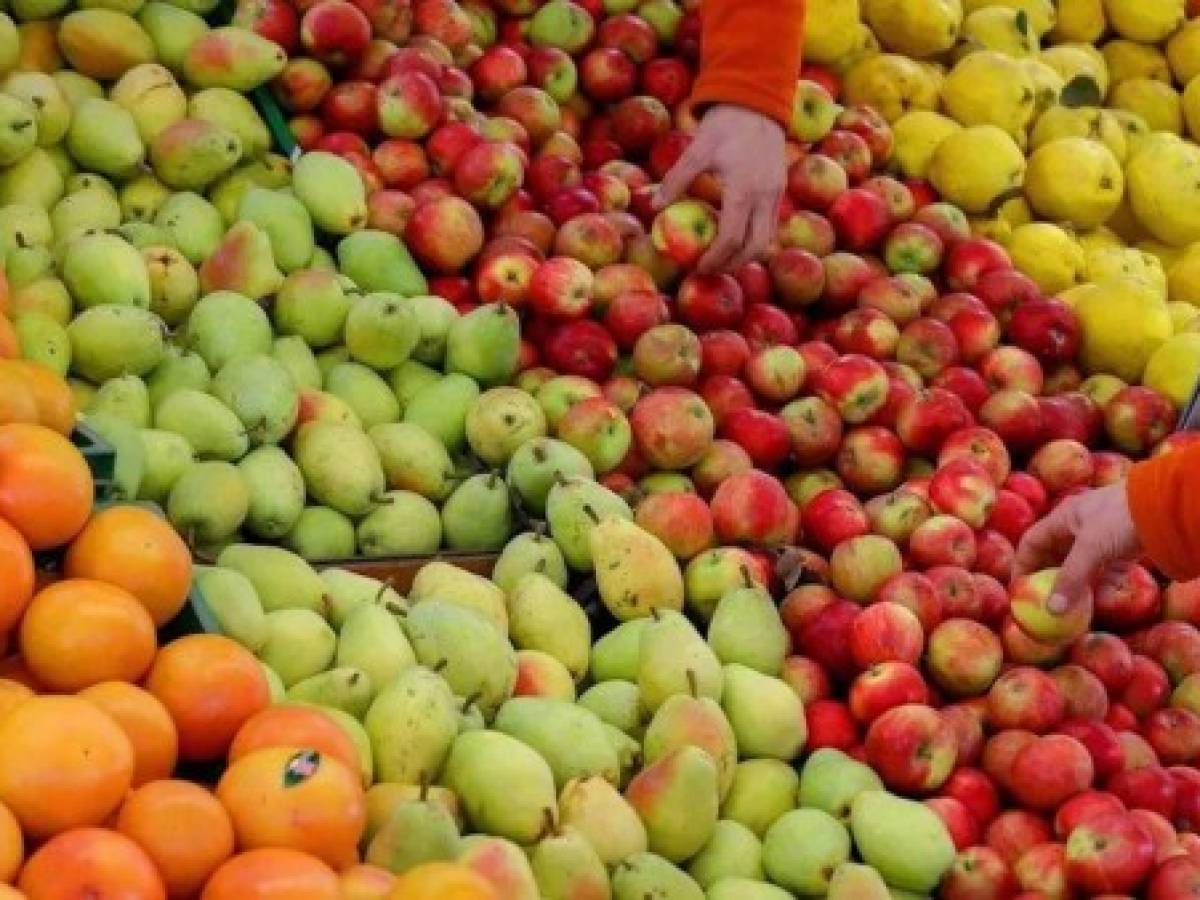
(101, 458)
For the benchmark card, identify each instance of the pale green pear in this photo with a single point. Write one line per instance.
(635, 572)
(687, 721)
(441, 409)
(385, 798)
(648, 875)
(853, 881)
(24, 225)
(10, 42)
(18, 129)
(712, 574)
(559, 393)
(299, 644)
(89, 181)
(733, 851)
(379, 261)
(506, 788)
(142, 197)
(541, 675)
(766, 714)
(408, 378)
(168, 456)
(500, 421)
(574, 507)
(107, 341)
(242, 263)
(501, 863)
(477, 516)
(543, 617)
(831, 780)
(468, 651)
(42, 95)
(191, 154)
(27, 264)
(343, 688)
(261, 394)
(76, 86)
(45, 295)
(226, 325)
(174, 284)
(371, 640)
(151, 95)
(102, 268)
(905, 841)
(210, 427)
(413, 459)
(746, 629)
(745, 889)
(357, 734)
(346, 591)
(282, 579)
(365, 391)
(417, 832)
(193, 223)
(284, 220)
(275, 689)
(104, 138)
(145, 234)
(103, 43)
(628, 750)
(173, 30)
(89, 209)
(208, 503)
(570, 738)
(528, 553)
(439, 580)
(129, 466)
(412, 724)
(485, 345)
(401, 524)
(232, 57)
(566, 867)
(298, 359)
(231, 598)
(802, 850)
(596, 809)
(44, 341)
(178, 370)
(126, 398)
(677, 799)
(674, 659)
(311, 304)
(234, 112)
(322, 533)
(538, 464)
(381, 330)
(434, 315)
(617, 703)
(616, 655)
(340, 465)
(34, 180)
(332, 191)
(276, 492)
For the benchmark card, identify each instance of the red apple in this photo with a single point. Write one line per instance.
(1012, 367)
(1062, 465)
(886, 632)
(1127, 596)
(445, 234)
(830, 724)
(1137, 418)
(943, 541)
(1049, 771)
(1174, 734)
(964, 657)
(871, 460)
(724, 394)
(960, 824)
(334, 32)
(608, 75)
(1016, 418)
(855, 385)
(913, 247)
(1176, 879)
(849, 151)
(833, 517)
(710, 302)
(798, 276)
(672, 427)
(668, 80)
(815, 181)
(1111, 852)
(1025, 698)
(581, 348)
(860, 218)
(1015, 832)
(978, 873)
(968, 261)
(1047, 328)
(925, 421)
(766, 324)
(810, 682)
(682, 521)
(753, 508)
(408, 105)
(912, 748)
(915, 592)
(638, 120)
(1084, 693)
(846, 275)
(1150, 787)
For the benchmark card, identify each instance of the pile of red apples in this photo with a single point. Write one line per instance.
(884, 391)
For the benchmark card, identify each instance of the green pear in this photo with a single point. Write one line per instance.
(299, 361)
(852, 881)
(344, 688)
(129, 466)
(648, 875)
(242, 263)
(234, 58)
(408, 378)
(311, 304)
(385, 798)
(616, 655)
(322, 533)
(477, 516)
(733, 851)
(441, 409)
(500, 421)
(506, 788)
(299, 644)
(677, 799)
(103, 268)
(528, 553)
(107, 341)
(543, 617)
(746, 629)
(104, 138)
(541, 675)
(468, 651)
(802, 850)
(126, 398)
(34, 180)
(332, 191)
(536, 465)
(711, 575)
(173, 30)
(103, 43)
(371, 640)
(574, 507)
(346, 591)
(208, 503)
(340, 465)
(261, 394)
(178, 370)
(502, 864)
(142, 235)
(151, 95)
(412, 724)
(570, 738)
(434, 315)
(10, 42)
(905, 841)
(27, 264)
(231, 188)
(745, 889)
(45, 295)
(275, 689)
(83, 211)
(167, 456)
(235, 113)
(191, 154)
(566, 867)
(142, 197)
(284, 220)
(413, 459)
(402, 524)
(674, 659)
(225, 325)
(596, 810)
(18, 129)
(210, 427)
(831, 780)
(44, 341)
(686, 721)
(442, 581)
(559, 393)
(766, 714)
(234, 603)
(43, 96)
(193, 223)
(174, 284)
(628, 750)
(24, 225)
(635, 572)
(378, 261)
(485, 345)
(365, 392)
(276, 492)
(617, 703)
(417, 832)
(282, 579)
(381, 330)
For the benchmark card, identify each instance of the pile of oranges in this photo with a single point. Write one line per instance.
(96, 716)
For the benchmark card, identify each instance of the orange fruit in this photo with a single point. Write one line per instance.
(4, 304)
(12, 693)
(364, 882)
(77, 633)
(288, 725)
(133, 548)
(10, 346)
(145, 722)
(17, 403)
(210, 685)
(45, 485)
(12, 845)
(53, 396)
(183, 828)
(275, 874)
(13, 668)
(63, 764)
(16, 576)
(296, 798)
(93, 863)
(8, 892)
(442, 881)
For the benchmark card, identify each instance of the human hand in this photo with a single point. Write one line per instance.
(1086, 533)
(745, 149)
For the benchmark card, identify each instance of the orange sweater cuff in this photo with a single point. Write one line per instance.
(1164, 500)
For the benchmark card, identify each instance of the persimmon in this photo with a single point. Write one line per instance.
(13, 668)
(145, 722)
(183, 828)
(292, 725)
(12, 845)
(46, 488)
(10, 345)
(17, 576)
(364, 882)
(91, 862)
(12, 694)
(274, 874)
(50, 391)
(63, 764)
(442, 881)
(133, 548)
(17, 403)
(80, 632)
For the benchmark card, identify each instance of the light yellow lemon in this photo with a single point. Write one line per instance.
(977, 167)
(1155, 101)
(1146, 21)
(1002, 29)
(831, 30)
(1183, 52)
(1183, 315)
(1127, 264)
(1183, 277)
(989, 88)
(1122, 323)
(1075, 180)
(1073, 60)
(917, 28)
(1191, 108)
(1085, 122)
(1174, 368)
(1081, 21)
(1048, 254)
(1039, 12)
(891, 84)
(1164, 189)
(917, 135)
(1129, 59)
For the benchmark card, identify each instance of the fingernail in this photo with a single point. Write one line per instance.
(1058, 604)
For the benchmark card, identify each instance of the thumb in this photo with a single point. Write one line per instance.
(1075, 577)
(691, 165)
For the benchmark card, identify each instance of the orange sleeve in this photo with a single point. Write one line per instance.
(1164, 498)
(750, 54)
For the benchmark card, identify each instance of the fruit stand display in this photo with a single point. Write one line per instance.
(390, 509)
